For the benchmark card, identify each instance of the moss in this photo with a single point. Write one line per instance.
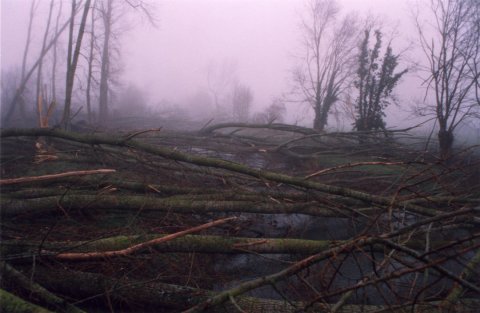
(13, 304)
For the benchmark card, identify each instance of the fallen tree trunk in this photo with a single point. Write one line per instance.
(14, 206)
(94, 139)
(13, 304)
(22, 250)
(273, 126)
(13, 249)
(154, 295)
(15, 278)
(50, 177)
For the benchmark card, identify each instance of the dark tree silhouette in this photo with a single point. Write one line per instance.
(375, 81)
(242, 98)
(72, 59)
(326, 69)
(451, 45)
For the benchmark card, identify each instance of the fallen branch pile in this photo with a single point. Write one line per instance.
(288, 220)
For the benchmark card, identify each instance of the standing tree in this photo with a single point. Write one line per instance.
(242, 98)
(25, 79)
(25, 54)
(220, 78)
(90, 60)
(72, 59)
(273, 113)
(375, 82)
(40, 96)
(451, 45)
(106, 9)
(54, 61)
(18, 99)
(112, 14)
(327, 65)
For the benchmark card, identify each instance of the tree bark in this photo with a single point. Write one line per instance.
(445, 140)
(154, 295)
(42, 122)
(15, 278)
(275, 126)
(90, 68)
(72, 64)
(13, 304)
(16, 250)
(15, 206)
(54, 61)
(105, 67)
(218, 163)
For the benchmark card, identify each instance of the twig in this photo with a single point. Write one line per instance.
(12, 181)
(235, 304)
(130, 136)
(352, 165)
(243, 245)
(135, 248)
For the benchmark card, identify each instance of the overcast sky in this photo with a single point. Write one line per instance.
(260, 37)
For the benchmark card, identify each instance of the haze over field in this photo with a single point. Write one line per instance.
(175, 62)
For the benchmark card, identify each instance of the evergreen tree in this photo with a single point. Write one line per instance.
(375, 82)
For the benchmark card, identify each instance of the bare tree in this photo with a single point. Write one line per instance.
(54, 61)
(451, 46)
(19, 100)
(90, 61)
(40, 95)
(242, 98)
(219, 79)
(273, 113)
(327, 65)
(24, 80)
(106, 11)
(25, 53)
(113, 14)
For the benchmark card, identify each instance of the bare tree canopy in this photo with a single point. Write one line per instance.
(326, 68)
(242, 98)
(451, 45)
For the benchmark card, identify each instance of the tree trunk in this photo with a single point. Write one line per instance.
(25, 53)
(90, 69)
(84, 203)
(274, 126)
(319, 121)
(54, 61)
(445, 141)
(23, 83)
(150, 294)
(69, 85)
(13, 304)
(105, 71)
(186, 244)
(40, 96)
(72, 66)
(214, 163)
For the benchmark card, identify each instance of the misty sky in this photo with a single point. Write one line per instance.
(259, 38)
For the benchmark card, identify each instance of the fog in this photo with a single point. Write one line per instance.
(258, 43)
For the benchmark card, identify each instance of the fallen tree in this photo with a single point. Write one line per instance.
(108, 239)
(93, 139)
